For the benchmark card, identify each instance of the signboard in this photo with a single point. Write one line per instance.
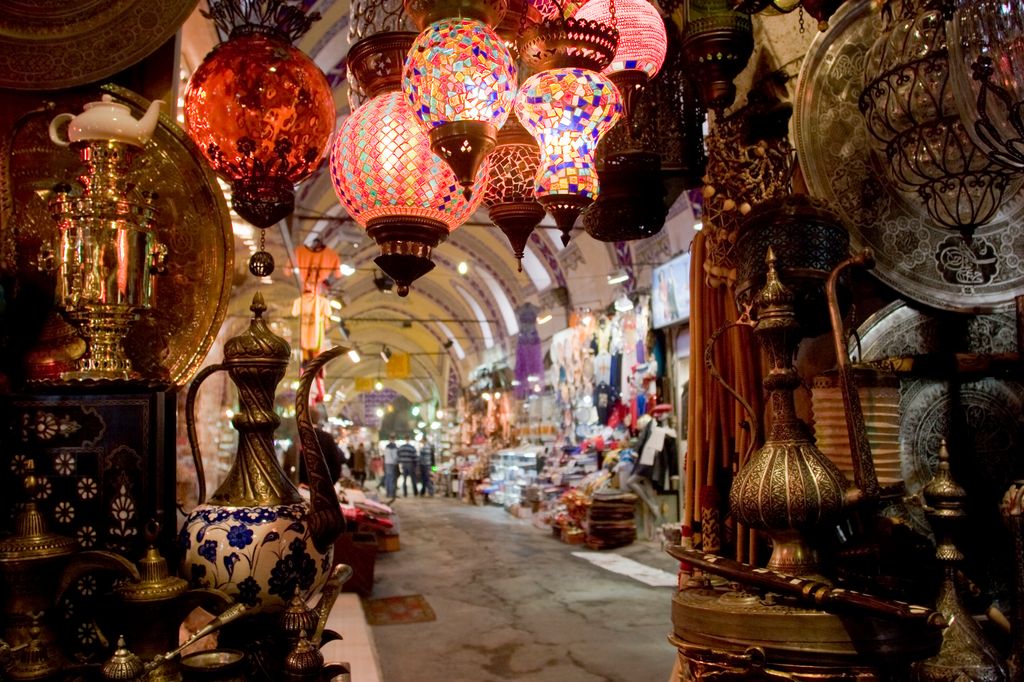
(670, 292)
(398, 366)
(364, 384)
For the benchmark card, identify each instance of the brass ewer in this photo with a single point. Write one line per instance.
(105, 254)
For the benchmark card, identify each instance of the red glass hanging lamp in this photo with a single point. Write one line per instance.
(259, 110)
(461, 81)
(509, 197)
(567, 105)
(642, 44)
(386, 175)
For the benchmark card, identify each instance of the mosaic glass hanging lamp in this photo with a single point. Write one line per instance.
(509, 197)
(567, 105)
(642, 44)
(259, 110)
(567, 110)
(386, 175)
(461, 81)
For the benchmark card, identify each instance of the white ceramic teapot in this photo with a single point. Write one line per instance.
(106, 120)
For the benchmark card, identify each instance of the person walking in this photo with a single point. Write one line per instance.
(408, 459)
(426, 469)
(391, 471)
(359, 464)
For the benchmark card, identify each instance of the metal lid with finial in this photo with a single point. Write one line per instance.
(156, 583)
(304, 662)
(123, 665)
(32, 538)
(257, 343)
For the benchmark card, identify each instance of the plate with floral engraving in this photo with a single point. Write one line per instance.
(981, 417)
(913, 255)
(52, 44)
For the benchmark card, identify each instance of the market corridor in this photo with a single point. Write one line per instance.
(513, 603)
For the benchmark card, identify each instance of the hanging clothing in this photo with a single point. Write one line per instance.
(313, 311)
(316, 265)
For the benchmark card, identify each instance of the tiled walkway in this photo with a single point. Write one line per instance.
(513, 603)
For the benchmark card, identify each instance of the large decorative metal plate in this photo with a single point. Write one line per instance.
(982, 417)
(168, 342)
(52, 44)
(916, 257)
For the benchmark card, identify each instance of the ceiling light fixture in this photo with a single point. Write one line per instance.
(544, 319)
(336, 304)
(347, 270)
(463, 267)
(510, 197)
(618, 277)
(353, 355)
(385, 354)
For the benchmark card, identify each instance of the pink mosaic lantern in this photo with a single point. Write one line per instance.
(391, 183)
(567, 111)
(461, 82)
(642, 43)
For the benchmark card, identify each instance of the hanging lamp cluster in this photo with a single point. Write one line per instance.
(442, 119)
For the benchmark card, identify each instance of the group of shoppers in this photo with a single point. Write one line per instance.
(415, 467)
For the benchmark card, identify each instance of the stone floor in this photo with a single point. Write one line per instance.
(513, 603)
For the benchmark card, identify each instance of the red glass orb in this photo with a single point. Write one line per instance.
(382, 165)
(642, 38)
(262, 113)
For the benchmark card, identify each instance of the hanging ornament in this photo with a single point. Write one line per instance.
(641, 48)
(461, 81)
(509, 197)
(259, 110)
(567, 110)
(386, 175)
(261, 262)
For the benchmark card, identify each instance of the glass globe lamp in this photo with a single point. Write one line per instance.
(642, 44)
(261, 113)
(509, 196)
(391, 183)
(461, 82)
(986, 50)
(567, 111)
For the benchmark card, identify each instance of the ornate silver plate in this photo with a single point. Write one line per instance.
(982, 417)
(920, 260)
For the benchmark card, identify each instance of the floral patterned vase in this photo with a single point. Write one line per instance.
(256, 538)
(260, 556)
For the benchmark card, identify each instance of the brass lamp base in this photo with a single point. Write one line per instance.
(517, 221)
(406, 244)
(630, 83)
(568, 43)
(565, 208)
(104, 328)
(464, 145)
(375, 62)
(263, 202)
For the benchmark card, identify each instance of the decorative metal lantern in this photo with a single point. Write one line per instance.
(910, 110)
(509, 197)
(717, 42)
(987, 63)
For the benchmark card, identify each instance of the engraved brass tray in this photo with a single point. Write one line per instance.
(52, 44)
(916, 257)
(982, 417)
(167, 343)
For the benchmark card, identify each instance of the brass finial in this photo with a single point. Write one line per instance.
(943, 494)
(123, 665)
(774, 293)
(258, 305)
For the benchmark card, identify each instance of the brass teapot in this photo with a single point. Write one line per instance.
(256, 538)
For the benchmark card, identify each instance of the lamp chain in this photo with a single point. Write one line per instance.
(801, 17)
(611, 10)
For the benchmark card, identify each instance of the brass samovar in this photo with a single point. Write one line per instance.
(106, 252)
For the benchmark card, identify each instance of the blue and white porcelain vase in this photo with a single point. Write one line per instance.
(256, 538)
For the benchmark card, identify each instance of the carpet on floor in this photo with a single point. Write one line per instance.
(412, 608)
